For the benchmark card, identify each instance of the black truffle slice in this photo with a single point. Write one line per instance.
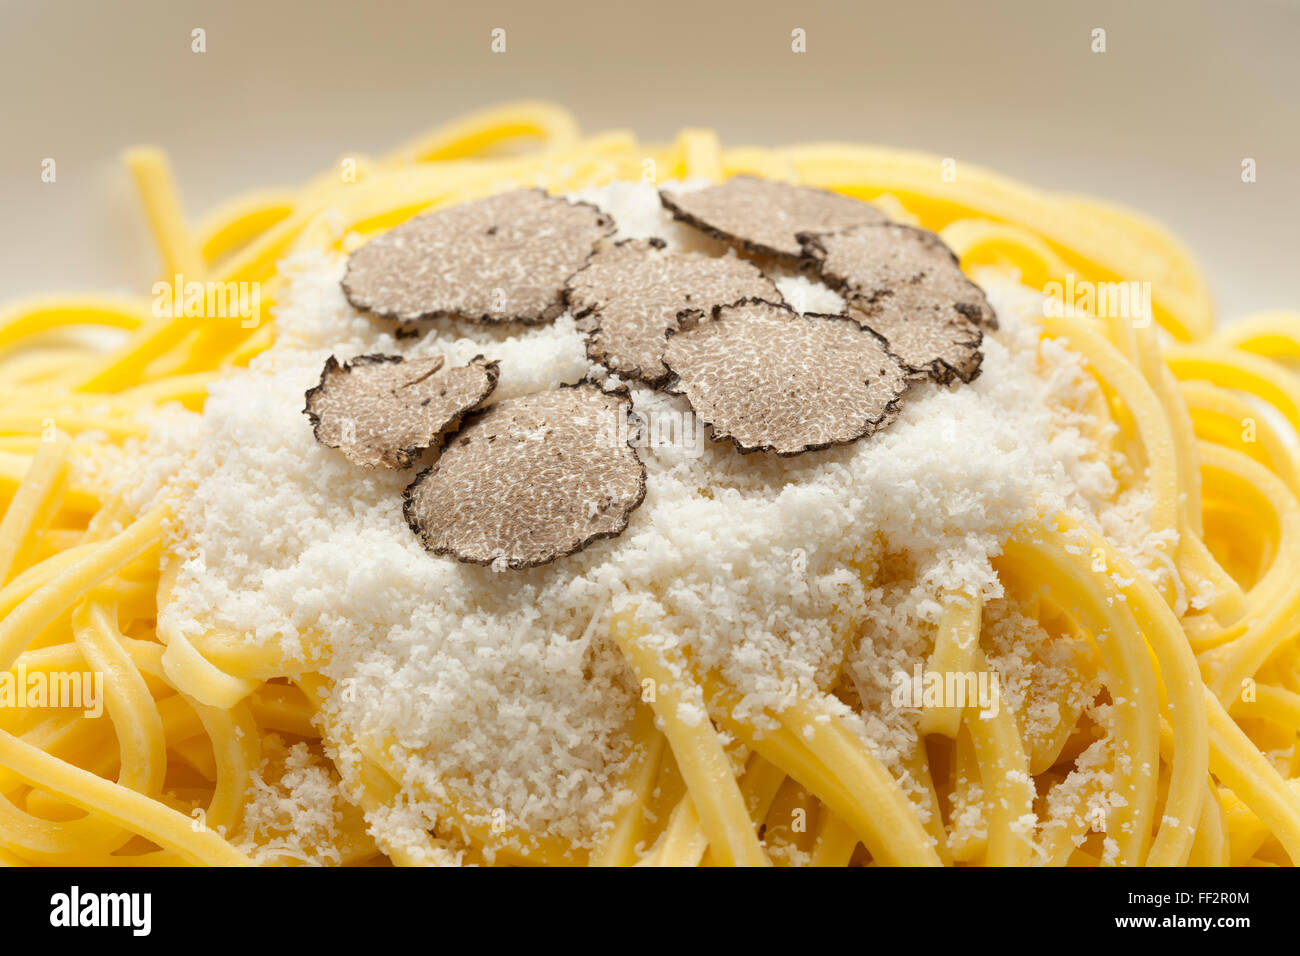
(630, 295)
(384, 410)
(771, 379)
(906, 285)
(501, 259)
(929, 338)
(874, 261)
(765, 217)
(530, 480)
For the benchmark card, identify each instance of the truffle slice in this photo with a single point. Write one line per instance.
(771, 379)
(384, 410)
(906, 285)
(929, 338)
(531, 479)
(765, 217)
(631, 295)
(501, 259)
(874, 261)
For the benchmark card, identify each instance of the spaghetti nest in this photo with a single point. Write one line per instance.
(1199, 665)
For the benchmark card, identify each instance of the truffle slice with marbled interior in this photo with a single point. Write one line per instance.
(764, 217)
(771, 379)
(631, 295)
(501, 259)
(531, 479)
(384, 409)
(907, 286)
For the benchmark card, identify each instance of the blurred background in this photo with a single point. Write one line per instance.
(1186, 90)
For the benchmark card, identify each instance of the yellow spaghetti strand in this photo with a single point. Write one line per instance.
(955, 647)
(474, 134)
(1053, 564)
(1236, 761)
(1010, 790)
(699, 754)
(1183, 693)
(33, 504)
(619, 849)
(23, 320)
(153, 179)
(123, 807)
(27, 620)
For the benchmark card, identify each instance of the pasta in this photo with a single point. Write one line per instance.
(1202, 765)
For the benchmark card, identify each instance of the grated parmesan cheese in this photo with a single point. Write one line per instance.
(297, 809)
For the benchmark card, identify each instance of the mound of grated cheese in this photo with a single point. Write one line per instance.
(503, 690)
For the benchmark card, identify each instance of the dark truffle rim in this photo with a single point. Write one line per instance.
(553, 310)
(405, 456)
(891, 411)
(815, 254)
(596, 354)
(670, 202)
(621, 393)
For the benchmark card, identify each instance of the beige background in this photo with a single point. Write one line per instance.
(1161, 121)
